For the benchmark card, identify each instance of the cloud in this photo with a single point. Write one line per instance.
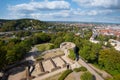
(64, 14)
(99, 3)
(59, 14)
(61, 10)
(99, 12)
(92, 12)
(45, 5)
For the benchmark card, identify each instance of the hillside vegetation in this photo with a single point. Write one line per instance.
(22, 24)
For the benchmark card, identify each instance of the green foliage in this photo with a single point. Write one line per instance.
(77, 69)
(69, 37)
(80, 69)
(17, 52)
(3, 61)
(90, 51)
(15, 40)
(65, 74)
(72, 54)
(109, 59)
(58, 41)
(87, 34)
(87, 76)
(104, 38)
(39, 38)
(11, 52)
(83, 68)
(21, 24)
(23, 33)
(116, 77)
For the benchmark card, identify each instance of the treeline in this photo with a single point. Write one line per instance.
(21, 24)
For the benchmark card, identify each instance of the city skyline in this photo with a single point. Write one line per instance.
(62, 10)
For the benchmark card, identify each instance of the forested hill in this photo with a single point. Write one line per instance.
(22, 24)
(3, 20)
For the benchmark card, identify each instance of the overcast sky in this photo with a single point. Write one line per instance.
(62, 10)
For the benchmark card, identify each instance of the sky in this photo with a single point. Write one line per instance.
(62, 10)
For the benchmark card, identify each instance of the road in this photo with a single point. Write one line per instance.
(92, 71)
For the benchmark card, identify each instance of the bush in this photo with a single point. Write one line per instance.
(83, 68)
(87, 76)
(80, 69)
(65, 74)
(71, 54)
(77, 70)
(116, 77)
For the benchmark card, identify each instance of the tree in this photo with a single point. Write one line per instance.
(2, 57)
(40, 38)
(109, 59)
(69, 37)
(90, 51)
(58, 41)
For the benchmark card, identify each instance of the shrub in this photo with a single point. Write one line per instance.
(83, 68)
(71, 54)
(116, 77)
(80, 69)
(77, 70)
(87, 76)
(65, 74)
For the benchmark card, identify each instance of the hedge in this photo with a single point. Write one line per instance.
(80, 69)
(65, 74)
(83, 68)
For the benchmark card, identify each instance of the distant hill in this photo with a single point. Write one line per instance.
(3, 20)
(22, 24)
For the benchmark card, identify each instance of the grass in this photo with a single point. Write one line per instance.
(45, 46)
